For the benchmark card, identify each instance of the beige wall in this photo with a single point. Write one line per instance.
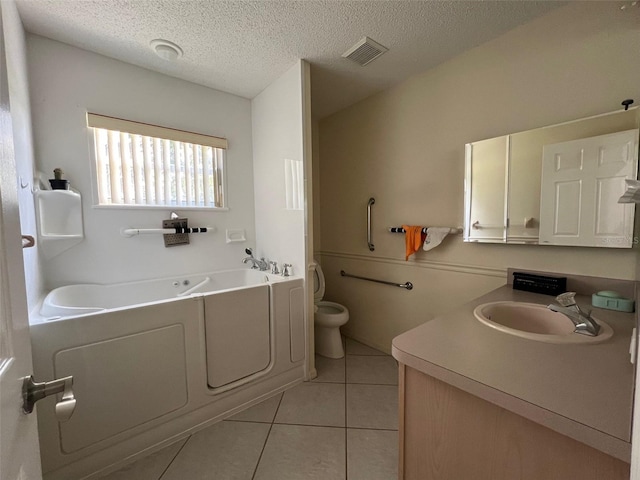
(315, 176)
(405, 147)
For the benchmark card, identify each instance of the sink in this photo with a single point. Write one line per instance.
(535, 322)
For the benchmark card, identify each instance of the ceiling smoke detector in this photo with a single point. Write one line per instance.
(166, 49)
(365, 51)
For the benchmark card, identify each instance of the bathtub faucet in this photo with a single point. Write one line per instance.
(262, 264)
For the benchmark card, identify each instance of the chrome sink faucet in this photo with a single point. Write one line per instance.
(261, 264)
(583, 322)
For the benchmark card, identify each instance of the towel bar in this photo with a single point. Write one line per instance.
(454, 231)
(407, 285)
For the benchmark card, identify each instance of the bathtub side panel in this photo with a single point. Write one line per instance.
(122, 383)
(296, 324)
(288, 315)
(238, 334)
(59, 347)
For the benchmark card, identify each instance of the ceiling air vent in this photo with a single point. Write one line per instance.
(365, 51)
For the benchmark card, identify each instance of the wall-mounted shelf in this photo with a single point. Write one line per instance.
(59, 215)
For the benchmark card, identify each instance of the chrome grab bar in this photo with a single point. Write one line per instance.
(371, 202)
(407, 285)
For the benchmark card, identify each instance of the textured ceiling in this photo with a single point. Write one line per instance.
(241, 47)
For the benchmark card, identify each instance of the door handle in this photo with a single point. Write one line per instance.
(33, 391)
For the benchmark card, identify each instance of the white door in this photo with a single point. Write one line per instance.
(582, 181)
(19, 451)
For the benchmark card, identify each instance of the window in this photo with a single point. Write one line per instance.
(141, 164)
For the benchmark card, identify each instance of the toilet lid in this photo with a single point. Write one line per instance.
(318, 283)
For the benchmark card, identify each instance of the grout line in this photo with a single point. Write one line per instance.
(346, 439)
(372, 384)
(346, 436)
(309, 425)
(264, 446)
(337, 426)
(247, 421)
(277, 408)
(346, 420)
(376, 429)
(345, 372)
(346, 456)
(174, 457)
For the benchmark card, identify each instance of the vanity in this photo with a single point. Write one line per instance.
(479, 403)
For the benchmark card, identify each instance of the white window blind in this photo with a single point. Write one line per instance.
(142, 164)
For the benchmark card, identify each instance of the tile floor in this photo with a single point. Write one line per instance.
(341, 426)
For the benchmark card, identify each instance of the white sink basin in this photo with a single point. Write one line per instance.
(535, 322)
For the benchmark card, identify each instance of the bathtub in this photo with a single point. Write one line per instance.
(81, 299)
(155, 360)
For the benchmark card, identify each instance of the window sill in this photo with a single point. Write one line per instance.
(159, 207)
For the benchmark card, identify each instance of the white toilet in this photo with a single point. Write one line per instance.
(328, 318)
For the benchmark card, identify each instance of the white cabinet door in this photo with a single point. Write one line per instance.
(582, 181)
(19, 451)
(486, 164)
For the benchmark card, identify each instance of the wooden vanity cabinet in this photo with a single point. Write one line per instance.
(449, 434)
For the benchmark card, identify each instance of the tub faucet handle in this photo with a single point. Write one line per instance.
(286, 269)
(274, 268)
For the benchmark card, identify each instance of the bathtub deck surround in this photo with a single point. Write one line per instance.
(79, 299)
(341, 426)
(206, 346)
(577, 397)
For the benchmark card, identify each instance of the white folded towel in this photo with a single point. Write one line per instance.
(435, 235)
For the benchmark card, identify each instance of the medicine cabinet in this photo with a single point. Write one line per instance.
(555, 185)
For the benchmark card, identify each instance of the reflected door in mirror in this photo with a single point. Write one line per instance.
(581, 183)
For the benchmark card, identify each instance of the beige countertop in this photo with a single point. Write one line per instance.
(584, 391)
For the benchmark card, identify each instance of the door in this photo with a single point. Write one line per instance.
(19, 451)
(582, 181)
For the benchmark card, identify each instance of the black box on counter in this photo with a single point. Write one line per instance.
(539, 283)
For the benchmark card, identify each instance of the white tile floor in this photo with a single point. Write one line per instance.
(341, 426)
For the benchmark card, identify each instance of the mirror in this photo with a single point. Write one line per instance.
(555, 185)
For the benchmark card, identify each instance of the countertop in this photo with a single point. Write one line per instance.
(584, 391)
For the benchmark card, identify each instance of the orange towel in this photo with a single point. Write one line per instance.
(414, 238)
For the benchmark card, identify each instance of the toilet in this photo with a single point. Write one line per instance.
(328, 318)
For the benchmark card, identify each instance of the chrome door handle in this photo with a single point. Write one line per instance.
(33, 391)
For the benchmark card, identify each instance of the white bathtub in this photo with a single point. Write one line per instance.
(155, 360)
(81, 299)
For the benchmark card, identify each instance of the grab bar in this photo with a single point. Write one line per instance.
(407, 285)
(371, 202)
(130, 232)
(195, 287)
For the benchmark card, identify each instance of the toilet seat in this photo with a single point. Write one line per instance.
(318, 283)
